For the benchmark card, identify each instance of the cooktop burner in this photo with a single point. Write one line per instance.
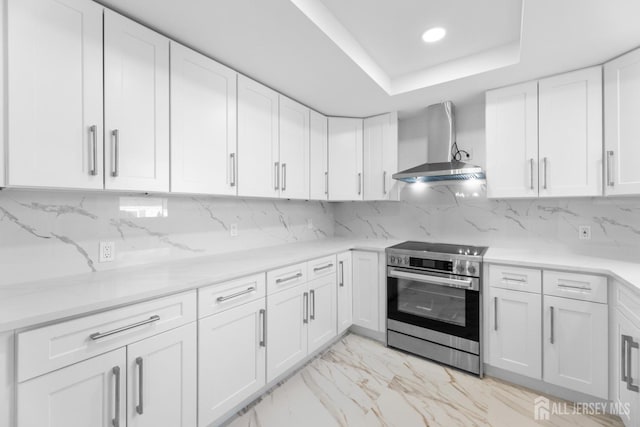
(442, 248)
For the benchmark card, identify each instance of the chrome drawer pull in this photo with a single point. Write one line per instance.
(276, 175)
(316, 269)
(140, 405)
(510, 279)
(116, 420)
(115, 169)
(99, 335)
(580, 288)
(531, 173)
(305, 307)
(286, 279)
(232, 160)
(341, 273)
(263, 315)
(93, 130)
(313, 304)
(552, 327)
(495, 313)
(237, 294)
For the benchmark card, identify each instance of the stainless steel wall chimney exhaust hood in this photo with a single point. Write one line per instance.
(444, 157)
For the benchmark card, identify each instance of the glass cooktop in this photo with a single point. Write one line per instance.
(442, 248)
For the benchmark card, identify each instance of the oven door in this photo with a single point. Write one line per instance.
(444, 303)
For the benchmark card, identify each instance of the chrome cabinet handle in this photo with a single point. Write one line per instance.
(263, 318)
(510, 279)
(581, 288)
(232, 159)
(531, 172)
(610, 181)
(313, 304)
(286, 279)
(140, 405)
(305, 308)
(237, 294)
(326, 182)
(544, 163)
(495, 313)
(93, 130)
(630, 345)
(623, 358)
(284, 177)
(384, 182)
(552, 326)
(455, 283)
(276, 175)
(359, 183)
(99, 335)
(341, 264)
(116, 420)
(115, 170)
(316, 269)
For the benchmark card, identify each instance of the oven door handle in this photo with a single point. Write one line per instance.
(425, 278)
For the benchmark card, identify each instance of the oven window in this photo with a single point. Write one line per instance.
(432, 302)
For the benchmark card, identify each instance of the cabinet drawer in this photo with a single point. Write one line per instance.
(628, 302)
(322, 267)
(286, 277)
(55, 346)
(575, 286)
(223, 296)
(516, 278)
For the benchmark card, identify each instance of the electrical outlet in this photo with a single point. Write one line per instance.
(107, 251)
(233, 230)
(585, 232)
(309, 224)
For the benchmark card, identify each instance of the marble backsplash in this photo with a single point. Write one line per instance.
(56, 233)
(458, 214)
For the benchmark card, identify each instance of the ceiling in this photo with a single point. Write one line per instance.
(364, 57)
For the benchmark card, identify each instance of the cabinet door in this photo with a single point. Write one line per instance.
(366, 292)
(570, 134)
(287, 321)
(515, 334)
(294, 149)
(322, 311)
(380, 157)
(626, 367)
(232, 359)
(55, 93)
(512, 141)
(318, 155)
(345, 159)
(258, 153)
(575, 345)
(345, 292)
(622, 127)
(89, 393)
(203, 124)
(162, 379)
(136, 116)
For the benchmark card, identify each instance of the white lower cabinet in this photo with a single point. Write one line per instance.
(366, 290)
(345, 292)
(287, 319)
(626, 370)
(515, 331)
(575, 340)
(322, 312)
(89, 393)
(232, 359)
(162, 378)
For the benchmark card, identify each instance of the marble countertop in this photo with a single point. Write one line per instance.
(625, 271)
(27, 304)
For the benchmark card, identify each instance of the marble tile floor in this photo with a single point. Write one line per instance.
(360, 382)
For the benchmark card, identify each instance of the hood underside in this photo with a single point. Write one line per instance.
(439, 172)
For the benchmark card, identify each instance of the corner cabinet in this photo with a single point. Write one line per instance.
(622, 127)
(380, 157)
(203, 124)
(318, 154)
(544, 138)
(367, 290)
(345, 159)
(55, 104)
(136, 112)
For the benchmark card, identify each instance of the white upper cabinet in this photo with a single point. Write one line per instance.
(55, 94)
(512, 141)
(570, 134)
(258, 153)
(136, 116)
(380, 157)
(622, 127)
(203, 124)
(318, 154)
(345, 159)
(294, 149)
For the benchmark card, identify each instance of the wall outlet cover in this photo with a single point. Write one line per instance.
(107, 252)
(233, 230)
(584, 232)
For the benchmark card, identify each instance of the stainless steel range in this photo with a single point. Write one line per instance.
(434, 300)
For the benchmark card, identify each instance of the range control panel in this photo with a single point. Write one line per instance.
(454, 266)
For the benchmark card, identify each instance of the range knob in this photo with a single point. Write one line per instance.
(471, 269)
(460, 268)
(392, 259)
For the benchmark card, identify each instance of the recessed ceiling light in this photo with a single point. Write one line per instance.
(434, 34)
